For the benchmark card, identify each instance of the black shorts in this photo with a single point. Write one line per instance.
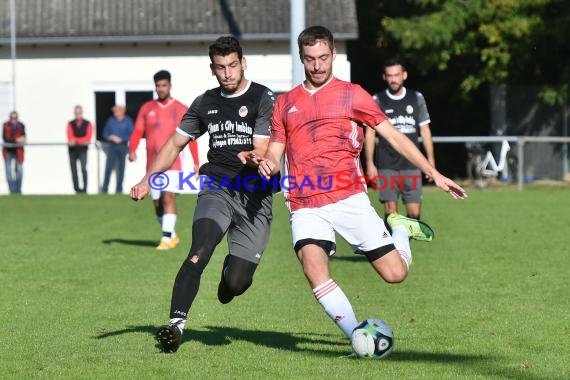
(245, 216)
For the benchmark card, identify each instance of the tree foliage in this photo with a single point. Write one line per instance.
(492, 41)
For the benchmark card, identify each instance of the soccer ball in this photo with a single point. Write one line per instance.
(372, 338)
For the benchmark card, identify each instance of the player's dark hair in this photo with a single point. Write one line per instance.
(225, 45)
(313, 34)
(161, 75)
(394, 61)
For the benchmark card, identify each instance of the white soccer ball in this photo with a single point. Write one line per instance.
(372, 338)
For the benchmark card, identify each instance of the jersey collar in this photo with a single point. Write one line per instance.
(235, 95)
(314, 91)
(163, 105)
(396, 97)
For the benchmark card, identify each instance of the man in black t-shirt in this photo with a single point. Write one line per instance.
(395, 175)
(234, 199)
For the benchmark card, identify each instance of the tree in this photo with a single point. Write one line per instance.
(493, 41)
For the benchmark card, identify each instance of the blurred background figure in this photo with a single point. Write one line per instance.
(117, 133)
(407, 111)
(79, 132)
(14, 132)
(157, 120)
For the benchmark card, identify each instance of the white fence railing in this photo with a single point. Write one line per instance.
(520, 142)
(48, 160)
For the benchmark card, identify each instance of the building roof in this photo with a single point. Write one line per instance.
(95, 21)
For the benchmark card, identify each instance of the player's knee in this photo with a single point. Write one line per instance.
(193, 266)
(238, 285)
(395, 275)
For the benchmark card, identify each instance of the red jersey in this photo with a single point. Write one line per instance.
(11, 132)
(323, 136)
(157, 121)
(79, 132)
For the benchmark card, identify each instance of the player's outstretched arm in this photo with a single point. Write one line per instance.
(408, 149)
(369, 146)
(269, 166)
(255, 156)
(162, 162)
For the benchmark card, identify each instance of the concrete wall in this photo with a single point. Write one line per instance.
(51, 80)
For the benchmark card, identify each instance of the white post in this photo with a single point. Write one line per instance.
(297, 24)
(565, 115)
(13, 52)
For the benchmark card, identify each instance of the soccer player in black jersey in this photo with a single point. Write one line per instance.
(237, 116)
(407, 111)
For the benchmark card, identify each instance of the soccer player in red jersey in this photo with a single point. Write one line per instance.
(158, 119)
(319, 125)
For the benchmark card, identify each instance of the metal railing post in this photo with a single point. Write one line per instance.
(520, 169)
(98, 146)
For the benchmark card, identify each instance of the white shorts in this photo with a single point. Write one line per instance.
(353, 218)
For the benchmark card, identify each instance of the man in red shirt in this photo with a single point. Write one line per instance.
(157, 120)
(79, 133)
(320, 126)
(14, 132)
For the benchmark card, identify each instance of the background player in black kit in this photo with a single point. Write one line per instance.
(237, 116)
(408, 112)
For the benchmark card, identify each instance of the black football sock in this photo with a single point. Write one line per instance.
(206, 234)
(185, 289)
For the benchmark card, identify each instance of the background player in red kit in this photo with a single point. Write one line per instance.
(320, 125)
(158, 119)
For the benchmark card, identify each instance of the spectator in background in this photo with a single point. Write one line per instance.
(14, 132)
(117, 133)
(79, 132)
(408, 112)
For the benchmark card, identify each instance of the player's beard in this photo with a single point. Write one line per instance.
(394, 88)
(232, 87)
(164, 97)
(318, 82)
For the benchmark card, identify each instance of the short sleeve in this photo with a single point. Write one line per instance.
(190, 124)
(423, 114)
(263, 122)
(365, 108)
(278, 133)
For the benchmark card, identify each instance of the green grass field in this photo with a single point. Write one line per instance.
(83, 290)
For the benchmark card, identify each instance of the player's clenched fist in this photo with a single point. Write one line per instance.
(140, 190)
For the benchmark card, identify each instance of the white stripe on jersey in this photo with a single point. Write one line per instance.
(354, 135)
(359, 171)
(284, 169)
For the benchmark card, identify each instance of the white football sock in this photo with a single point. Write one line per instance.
(336, 305)
(402, 243)
(178, 322)
(168, 223)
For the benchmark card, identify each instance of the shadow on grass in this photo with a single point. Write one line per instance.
(138, 243)
(221, 336)
(443, 357)
(335, 346)
(476, 364)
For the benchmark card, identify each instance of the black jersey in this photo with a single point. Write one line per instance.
(232, 122)
(407, 113)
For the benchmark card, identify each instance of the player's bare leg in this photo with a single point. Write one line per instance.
(413, 210)
(315, 264)
(391, 267)
(390, 207)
